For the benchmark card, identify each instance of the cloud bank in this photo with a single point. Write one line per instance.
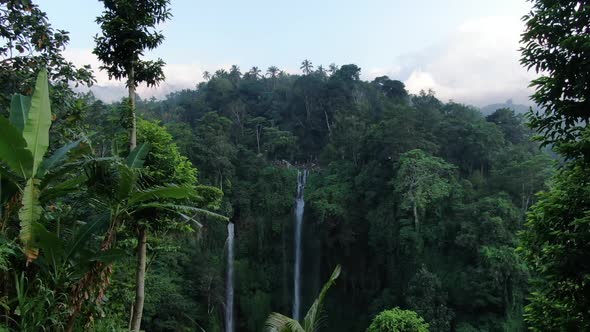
(478, 64)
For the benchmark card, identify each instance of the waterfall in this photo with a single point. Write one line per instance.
(229, 282)
(299, 208)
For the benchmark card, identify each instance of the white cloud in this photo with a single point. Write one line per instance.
(478, 64)
(178, 77)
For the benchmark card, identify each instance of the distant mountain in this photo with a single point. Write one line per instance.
(518, 108)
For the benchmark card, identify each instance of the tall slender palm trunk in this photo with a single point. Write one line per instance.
(139, 279)
(133, 129)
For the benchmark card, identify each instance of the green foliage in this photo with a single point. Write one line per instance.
(164, 161)
(421, 179)
(30, 43)
(313, 318)
(556, 235)
(427, 298)
(397, 320)
(554, 243)
(556, 47)
(128, 29)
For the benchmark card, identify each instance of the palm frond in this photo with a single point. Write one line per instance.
(280, 323)
(182, 209)
(161, 193)
(58, 156)
(314, 316)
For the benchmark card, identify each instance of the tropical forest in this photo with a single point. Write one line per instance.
(316, 198)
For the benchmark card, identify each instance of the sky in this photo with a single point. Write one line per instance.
(464, 50)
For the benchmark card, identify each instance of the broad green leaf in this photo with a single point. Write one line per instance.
(137, 156)
(58, 156)
(29, 214)
(13, 151)
(36, 131)
(19, 111)
(161, 192)
(52, 247)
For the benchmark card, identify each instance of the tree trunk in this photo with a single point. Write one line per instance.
(133, 130)
(416, 222)
(327, 122)
(139, 279)
(258, 130)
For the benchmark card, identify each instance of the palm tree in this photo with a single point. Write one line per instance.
(311, 323)
(321, 71)
(254, 72)
(306, 66)
(206, 75)
(220, 73)
(234, 73)
(333, 68)
(272, 72)
(130, 199)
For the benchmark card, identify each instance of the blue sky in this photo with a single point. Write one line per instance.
(452, 46)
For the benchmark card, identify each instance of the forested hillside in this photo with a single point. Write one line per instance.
(374, 154)
(267, 200)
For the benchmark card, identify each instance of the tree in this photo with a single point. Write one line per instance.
(272, 72)
(254, 73)
(128, 29)
(421, 179)
(426, 297)
(555, 42)
(206, 75)
(556, 237)
(30, 43)
(398, 320)
(332, 68)
(313, 318)
(306, 66)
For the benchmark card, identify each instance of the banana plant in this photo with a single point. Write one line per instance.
(24, 141)
(312, 321)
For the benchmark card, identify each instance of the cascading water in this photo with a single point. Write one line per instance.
(229, 282)
(299, 208)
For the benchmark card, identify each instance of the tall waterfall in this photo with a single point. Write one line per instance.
(299, 209)
(229, 282)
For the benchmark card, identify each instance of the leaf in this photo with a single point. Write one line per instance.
(137, 156)
(62, 188)
(52, 247)
(19, 111)
(127, 179)
(83, 234)
(29, 214)
(181, 208)
(36, 131)
(161, 192)
(13, 151)
(58, 156)
(313, 318)
(281, 323)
